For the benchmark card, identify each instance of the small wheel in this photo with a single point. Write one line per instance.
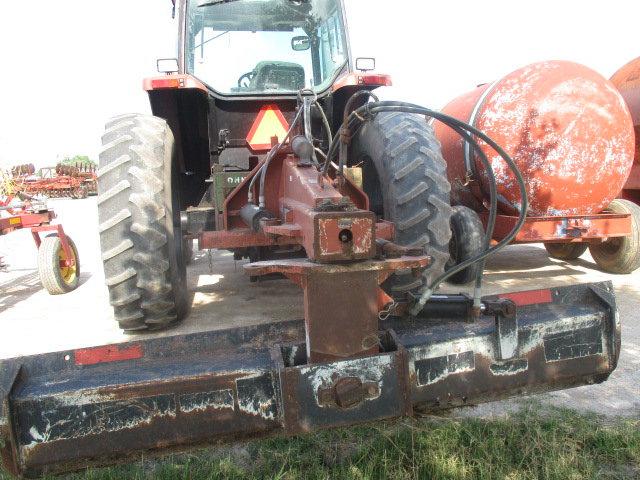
(620, 254)
(566, 251)
(55, 274)
(467, 238)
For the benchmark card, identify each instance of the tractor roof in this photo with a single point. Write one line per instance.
(260, 15)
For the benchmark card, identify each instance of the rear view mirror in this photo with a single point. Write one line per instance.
(167, 65)
(300, 43)
(365, 64)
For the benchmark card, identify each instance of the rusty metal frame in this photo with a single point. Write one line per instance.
(307, 209)
(338, 324)
(568, 228)
(37, 222)
(71, 409)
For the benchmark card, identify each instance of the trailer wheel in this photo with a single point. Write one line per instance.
(139, 215)
(467, 240)
(405, 178)
(57, 277)
(566, 251)
(620, 254)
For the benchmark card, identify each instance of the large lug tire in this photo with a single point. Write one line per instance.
(187, 251)
(467, 241)
(620, 254)
(566, 251)
(56, 278)
(139, 215)
(404, 175)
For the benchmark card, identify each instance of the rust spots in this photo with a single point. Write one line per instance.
(537, 139)
(564, 125)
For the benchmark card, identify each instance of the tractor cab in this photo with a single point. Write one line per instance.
(237, 58)
(265, 46)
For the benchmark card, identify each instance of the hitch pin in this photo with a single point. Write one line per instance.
(387, 310)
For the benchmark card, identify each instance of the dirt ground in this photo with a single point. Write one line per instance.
(32, 321)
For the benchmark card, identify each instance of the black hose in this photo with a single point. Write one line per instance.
(493, 205)
(325, 123)
(347, 112)
(273, 153)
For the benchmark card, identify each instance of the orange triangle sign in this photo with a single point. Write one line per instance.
(269, 123)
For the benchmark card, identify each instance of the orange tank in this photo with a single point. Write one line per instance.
(627, 81)
(566, 127)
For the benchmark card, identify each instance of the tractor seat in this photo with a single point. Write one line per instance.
(275, 75)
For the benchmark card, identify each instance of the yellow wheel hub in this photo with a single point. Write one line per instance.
(68, 272)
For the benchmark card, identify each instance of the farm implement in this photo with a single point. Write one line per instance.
(285, 157)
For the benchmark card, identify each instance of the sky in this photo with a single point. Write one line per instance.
(67, 66)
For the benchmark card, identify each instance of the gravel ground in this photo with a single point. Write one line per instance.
(31, 321)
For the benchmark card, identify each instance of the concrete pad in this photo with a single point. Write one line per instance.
(32, 321)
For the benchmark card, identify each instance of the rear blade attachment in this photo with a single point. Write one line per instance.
(67, 410)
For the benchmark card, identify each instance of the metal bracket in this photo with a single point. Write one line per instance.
(347, 392)
(341, 302)
(505, 313)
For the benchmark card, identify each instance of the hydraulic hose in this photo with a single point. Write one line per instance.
(493, 209)
(325, 123)
(263, 170)
(347, 113)
(274, 151)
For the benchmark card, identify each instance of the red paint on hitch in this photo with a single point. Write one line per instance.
(531, 297)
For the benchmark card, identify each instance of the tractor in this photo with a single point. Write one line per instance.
(267, 140)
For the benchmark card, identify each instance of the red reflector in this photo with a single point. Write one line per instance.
(374, 80)
(269, 123)
(108, 353)
(157, 83)
(530, 297)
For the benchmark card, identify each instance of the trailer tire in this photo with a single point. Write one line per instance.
(139, 215)
(620, 254)
(404, 175)
(467, 240)
(566, 251)
(55, 279)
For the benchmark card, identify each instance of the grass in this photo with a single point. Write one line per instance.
(532, 444)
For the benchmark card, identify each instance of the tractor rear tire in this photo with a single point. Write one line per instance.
(139, 215)
(620, 254)
(187, 251)
(566, 251)
(405, 177)
(54, 278)
(467, 241)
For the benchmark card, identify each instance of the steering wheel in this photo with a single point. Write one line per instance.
(245, 79)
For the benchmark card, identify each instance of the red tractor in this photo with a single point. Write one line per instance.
(267, 140)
